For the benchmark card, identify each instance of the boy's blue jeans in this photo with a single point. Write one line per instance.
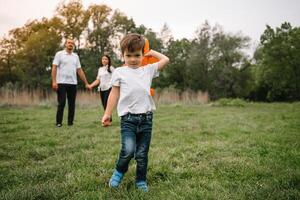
(135, 138)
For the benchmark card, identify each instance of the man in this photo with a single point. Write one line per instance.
(65, 67)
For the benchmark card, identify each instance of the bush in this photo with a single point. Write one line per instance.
(230, 102)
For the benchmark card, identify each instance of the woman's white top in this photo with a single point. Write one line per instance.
(104, 77)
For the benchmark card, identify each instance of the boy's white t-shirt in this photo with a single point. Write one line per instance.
(67, 65)
(135, 86)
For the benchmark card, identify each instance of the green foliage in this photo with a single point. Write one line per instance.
(8, 70)
(30, 52)
(278, 61)
(98, 38)
(199, 60)
(176, 73)
(227, 75)
(213, 61)
(27, 54)
(74, 17)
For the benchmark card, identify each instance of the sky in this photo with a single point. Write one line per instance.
(183, 17)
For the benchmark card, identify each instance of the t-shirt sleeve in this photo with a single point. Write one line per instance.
(56, 59)
(78, 65)
(98, 75)
(115, 79)
(112, 68)
(153, 70)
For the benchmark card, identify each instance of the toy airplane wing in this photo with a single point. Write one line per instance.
(148, 59)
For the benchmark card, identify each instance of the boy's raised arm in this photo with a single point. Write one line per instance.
(163, 60)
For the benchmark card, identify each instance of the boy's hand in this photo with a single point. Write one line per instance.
(162, 59)
(106, 120)
(149, 58)
(149, 53)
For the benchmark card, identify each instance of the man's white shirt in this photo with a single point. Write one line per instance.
(67, 65)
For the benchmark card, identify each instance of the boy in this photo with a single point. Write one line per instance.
(131, 91)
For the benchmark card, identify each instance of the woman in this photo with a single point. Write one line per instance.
(103, 80)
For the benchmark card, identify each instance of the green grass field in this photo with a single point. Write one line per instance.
(197, 152)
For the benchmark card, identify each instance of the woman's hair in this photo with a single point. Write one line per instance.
(109, 62)
(132, 42)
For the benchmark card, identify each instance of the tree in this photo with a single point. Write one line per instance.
(75, 19)
(166, 35)
(103, 35)
(8, 70)
(100, 29)
(176, 72)
(199, 58)
(215, 62)
(228, 61)
(33, 47)
(278, 71)
(97, 38)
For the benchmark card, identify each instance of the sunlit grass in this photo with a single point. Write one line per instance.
(197, 152)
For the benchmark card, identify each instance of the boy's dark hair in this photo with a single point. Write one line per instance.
(132, 42)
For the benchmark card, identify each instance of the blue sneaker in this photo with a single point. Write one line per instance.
(142, 185)
(115, 179)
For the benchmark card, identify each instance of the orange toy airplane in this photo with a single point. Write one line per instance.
(148, 60)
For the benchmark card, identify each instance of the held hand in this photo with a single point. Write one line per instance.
(54, 86)
(88, 86)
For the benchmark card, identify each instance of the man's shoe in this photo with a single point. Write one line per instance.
(116, 179)
(70, 124)
(142, 185)
(58, 125)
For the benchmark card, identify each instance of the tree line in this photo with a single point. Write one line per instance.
(212, 61)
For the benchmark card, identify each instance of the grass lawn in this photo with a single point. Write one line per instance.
(197, 152)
